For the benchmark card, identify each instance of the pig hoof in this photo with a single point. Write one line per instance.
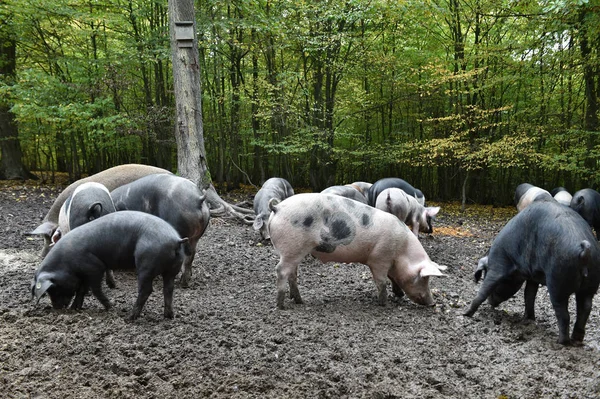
(564, 341)
(133, 316)
(468, 313)
(577, 339)
(185, 283)
(169, 315)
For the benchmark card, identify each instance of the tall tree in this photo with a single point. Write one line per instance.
(189, 130)
(11, 162)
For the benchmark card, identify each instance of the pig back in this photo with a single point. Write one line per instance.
(346, 191)
(116, 239)
(396, 182)
(274, 187)
(111, 178)
(334, 228)
(526, 193)
(172, 198)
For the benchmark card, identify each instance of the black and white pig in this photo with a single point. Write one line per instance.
(549, 244)
(126, 239)
(406, 208)
(338, 229)
(396, 182)
(586, 202)
(346, 191)
(526, 193)
(562, 196)
(275, 187)
(89, 201)
(111, 178)
(174, 199)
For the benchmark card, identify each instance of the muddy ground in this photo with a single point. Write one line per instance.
(229, 341)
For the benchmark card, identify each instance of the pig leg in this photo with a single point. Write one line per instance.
(168, 287)
(584, 307)
(186, 276)
(415, 229)
(396, 288)
(144, 291)
(531, 289)
(379, 272)
(287, 273)
(110, 279)
(78, 301)
(97, 291)
(561, 310)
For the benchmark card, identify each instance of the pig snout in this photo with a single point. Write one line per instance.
(425, 299)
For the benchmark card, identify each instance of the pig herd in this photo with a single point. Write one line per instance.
(142, 217)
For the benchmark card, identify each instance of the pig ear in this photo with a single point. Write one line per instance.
(258, 222)
(42, 284)
(56, 236)
(94, 211)
(44, 229)
(431, 269)
(432, 210)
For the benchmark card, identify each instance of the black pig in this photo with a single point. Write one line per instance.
(586, 202)
(125, 239)
(275, 187)
(174, 199)
(548, 244)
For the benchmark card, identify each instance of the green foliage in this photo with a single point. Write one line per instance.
(422, 89)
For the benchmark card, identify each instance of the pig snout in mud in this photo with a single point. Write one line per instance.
(334, 228)
(407, 209)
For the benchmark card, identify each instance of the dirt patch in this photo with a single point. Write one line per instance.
(229, 341)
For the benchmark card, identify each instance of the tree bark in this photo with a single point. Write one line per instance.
(591, 122)
(11, 157)
(189, 130)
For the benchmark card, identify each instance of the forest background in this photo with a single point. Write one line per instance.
(455, 96)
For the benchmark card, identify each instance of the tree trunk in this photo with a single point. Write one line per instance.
(11, 162)
(590, 77)
(189, 131)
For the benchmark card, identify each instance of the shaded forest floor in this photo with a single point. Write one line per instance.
(229, 341)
